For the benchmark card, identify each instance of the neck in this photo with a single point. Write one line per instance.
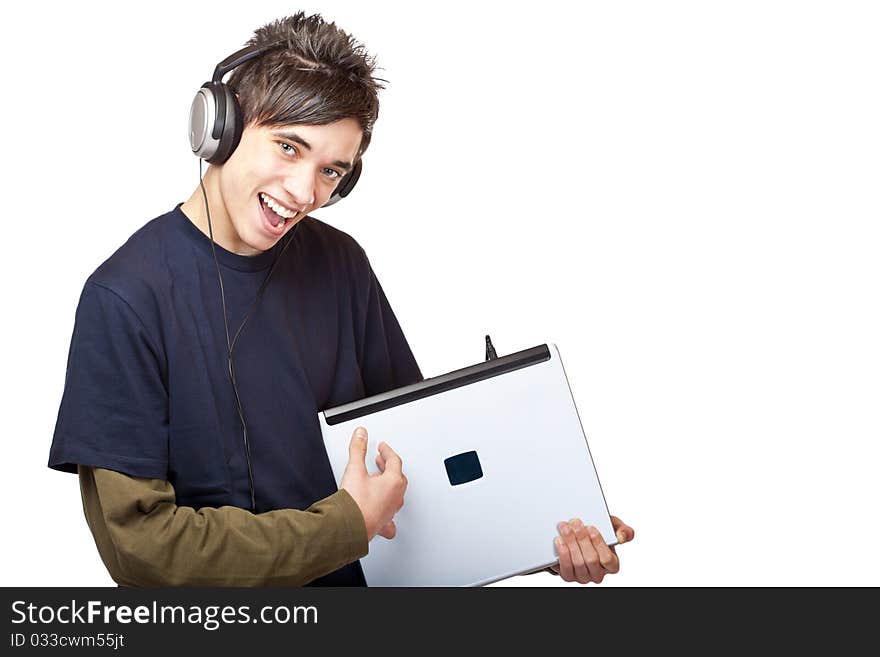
(221, 225)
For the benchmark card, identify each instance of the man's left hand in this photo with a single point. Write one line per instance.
(583, 555)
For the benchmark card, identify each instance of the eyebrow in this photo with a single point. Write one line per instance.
(292, 136)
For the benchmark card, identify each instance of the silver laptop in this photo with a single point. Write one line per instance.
(495, 456)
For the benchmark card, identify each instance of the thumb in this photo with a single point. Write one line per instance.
(357, 450)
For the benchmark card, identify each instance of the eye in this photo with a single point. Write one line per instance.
(332, 173)
(287, 148)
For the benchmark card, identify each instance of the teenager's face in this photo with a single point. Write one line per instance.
(296, 166)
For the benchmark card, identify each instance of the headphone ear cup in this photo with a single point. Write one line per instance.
(345, 185)
(232, 126)
(202, 123)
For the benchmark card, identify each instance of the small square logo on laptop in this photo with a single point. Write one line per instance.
(463, 468)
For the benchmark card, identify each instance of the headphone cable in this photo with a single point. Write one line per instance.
(230, 344)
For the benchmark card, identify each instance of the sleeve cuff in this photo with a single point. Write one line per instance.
(354, 523)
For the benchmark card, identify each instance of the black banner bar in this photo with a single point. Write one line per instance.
(433, 621)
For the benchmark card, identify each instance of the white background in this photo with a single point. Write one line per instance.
(682, 195)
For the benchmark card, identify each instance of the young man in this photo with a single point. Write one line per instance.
(198, 467)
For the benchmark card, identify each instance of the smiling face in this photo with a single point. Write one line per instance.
(274, 177)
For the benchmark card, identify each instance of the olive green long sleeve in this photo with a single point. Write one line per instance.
(145, 539)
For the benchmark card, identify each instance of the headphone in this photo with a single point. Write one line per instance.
(215, 121)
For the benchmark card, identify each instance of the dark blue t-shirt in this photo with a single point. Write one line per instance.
(147, 392)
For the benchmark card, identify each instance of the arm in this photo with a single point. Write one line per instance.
(384, 354)
(145, 539)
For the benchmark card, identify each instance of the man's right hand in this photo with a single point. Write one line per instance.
(378, 496)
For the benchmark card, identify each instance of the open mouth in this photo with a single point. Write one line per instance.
(272, 213)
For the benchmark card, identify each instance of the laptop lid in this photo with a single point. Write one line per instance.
(495, 456)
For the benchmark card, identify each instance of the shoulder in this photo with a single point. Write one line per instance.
(340, 249)
(138, 272)
(137, 256)
(334, 239)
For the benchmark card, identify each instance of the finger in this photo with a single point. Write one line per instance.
(588, 551)
(392, 460)
(566, 569)
(380, 462)
(624, 532)
(357, 450)
(403, 491)
(581, 573)
(389, 531)
(607, 557)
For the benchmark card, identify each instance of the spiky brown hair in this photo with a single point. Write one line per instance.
(320, 75)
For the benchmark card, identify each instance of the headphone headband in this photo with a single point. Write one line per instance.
(239, 57)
